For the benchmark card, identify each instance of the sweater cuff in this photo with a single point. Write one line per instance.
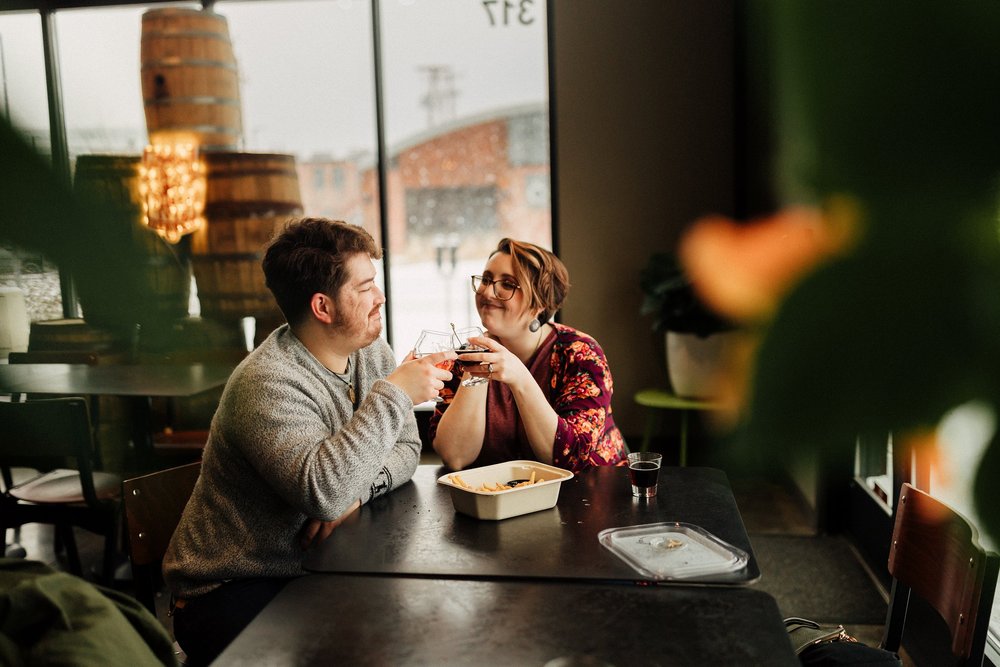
(393, 393)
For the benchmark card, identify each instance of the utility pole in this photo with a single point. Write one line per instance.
(441, 94)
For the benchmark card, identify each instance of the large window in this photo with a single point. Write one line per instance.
(464, 102)
(102, 101)
(467, 136)
(23, 102)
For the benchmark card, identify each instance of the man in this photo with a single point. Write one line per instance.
(313, 423)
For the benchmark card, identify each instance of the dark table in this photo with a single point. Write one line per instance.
(144, 380)
(359, 620)
(415, 530)
(137, 382)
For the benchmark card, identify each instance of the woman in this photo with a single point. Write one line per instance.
(549, 398)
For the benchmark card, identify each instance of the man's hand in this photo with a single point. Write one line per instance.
(315, 531)
(421, 378)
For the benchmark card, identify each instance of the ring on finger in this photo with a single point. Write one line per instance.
(489, 367)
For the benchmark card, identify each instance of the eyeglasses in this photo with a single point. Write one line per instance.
(502, 289)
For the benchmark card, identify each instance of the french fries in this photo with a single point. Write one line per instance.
(457, 480)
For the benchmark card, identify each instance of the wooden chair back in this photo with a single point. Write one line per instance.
(153, 507)
(935, 554)
(46, 434)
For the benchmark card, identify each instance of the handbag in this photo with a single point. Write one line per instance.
(804, 633)
(819, 645)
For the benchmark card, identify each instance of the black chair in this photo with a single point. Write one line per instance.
(46, 435)
(935, 555)
(87, 358)
(153, 507)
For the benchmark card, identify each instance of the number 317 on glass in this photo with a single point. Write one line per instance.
(507, 12)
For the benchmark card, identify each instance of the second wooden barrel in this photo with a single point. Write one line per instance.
(249, 196)
(190, 84)
(164, 269)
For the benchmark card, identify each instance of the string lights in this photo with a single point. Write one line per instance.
(172, 187)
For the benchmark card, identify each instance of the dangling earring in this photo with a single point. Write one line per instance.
(534, 325)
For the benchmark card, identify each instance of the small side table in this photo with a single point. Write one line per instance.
(662, 399)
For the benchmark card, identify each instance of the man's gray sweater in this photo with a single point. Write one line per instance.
(287, 445)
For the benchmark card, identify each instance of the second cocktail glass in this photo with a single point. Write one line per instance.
(461, 337)
(458, 340)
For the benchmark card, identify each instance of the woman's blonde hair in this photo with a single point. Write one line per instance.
(541, 275)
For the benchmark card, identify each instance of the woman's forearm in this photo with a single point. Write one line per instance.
(462, 427)
(538, 418)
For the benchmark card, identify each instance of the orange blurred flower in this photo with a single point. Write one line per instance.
(743, 270)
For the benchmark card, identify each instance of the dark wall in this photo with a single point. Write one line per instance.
(644, 143)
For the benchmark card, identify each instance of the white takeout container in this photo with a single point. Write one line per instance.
(522, 499)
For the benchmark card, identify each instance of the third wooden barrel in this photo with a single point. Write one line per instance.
(190, 83)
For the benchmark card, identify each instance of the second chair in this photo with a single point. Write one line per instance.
(44, 435)
(153, 507)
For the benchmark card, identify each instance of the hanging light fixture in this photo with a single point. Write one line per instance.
(172, 187)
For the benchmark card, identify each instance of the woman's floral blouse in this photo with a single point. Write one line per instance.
(573, 373)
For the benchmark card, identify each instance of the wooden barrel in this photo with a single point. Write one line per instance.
(167, 274)
(249, 196)
(251, 183)
(164, 269)
(113, 178)
(189, 79)
(73, 335)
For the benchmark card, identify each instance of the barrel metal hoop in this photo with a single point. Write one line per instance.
(193, 99)
(231, 174)
(210, 34)
(206, 129)
(177, 61)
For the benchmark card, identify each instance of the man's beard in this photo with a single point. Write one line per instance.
(342, 327)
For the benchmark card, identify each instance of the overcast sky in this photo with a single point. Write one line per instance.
(305, 66)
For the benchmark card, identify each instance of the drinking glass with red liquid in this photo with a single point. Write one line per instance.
(430, 342)
(643, 472)
(462, 336)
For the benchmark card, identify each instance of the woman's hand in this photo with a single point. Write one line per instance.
(497, 363)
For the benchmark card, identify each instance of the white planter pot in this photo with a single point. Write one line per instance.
(694, 364)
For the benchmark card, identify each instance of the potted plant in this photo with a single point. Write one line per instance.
(692, 330)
